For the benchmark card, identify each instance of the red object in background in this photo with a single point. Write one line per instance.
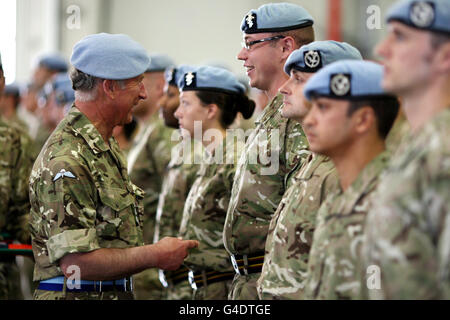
(334, 20)
(20, 246)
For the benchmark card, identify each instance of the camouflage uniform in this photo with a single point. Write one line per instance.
(333, 268)
(178, 180)
(397, 134)
(81, 200)
(147, 172)
(408, 228)
(204, 217)
(41, 137)
(258, 187)
(19, 123)
(15, 167)
(291, 230)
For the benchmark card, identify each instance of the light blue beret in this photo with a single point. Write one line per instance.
(110, 56)
(159, 63)
(276, 17)
(173, 75)
(62, 85)
(432, 15)
(316, 55)
(54, 62)
(207, 78)
(347, 79)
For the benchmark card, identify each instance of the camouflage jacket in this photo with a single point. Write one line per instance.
(81, 196)
(42, 135)
(206, 207)
(178, 180)
(334, 260)
(408, 228)
(271, 152)
(400, 131)
(291, 230)
(15, 168)
(147, 162)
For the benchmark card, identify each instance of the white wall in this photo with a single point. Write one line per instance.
(191, 31)
(35, 33)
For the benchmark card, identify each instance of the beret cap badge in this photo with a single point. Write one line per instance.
(250, 21)
(340, 84)
(189, 79)
(422, 14)
(312, 59)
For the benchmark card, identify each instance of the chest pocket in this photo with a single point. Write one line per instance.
(117, 213)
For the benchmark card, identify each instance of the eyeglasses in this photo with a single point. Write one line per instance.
(248, 45)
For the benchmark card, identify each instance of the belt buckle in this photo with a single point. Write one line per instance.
(235, 265)
(192, 280)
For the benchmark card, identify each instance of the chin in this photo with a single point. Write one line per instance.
(388, 85)
(285, 114)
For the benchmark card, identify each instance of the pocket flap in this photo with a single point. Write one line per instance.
(117, 199)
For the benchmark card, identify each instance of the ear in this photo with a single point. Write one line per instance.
(161, 84)
(364, 119)
(109, 88)
(212, 111)
(444, 58)
(288, 46)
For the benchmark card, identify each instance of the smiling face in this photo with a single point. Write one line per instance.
(262, 61)
(127, 98)
(328, 127)
(190, 110)
(295, 106)
(406, 51)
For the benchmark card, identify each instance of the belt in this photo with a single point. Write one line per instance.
(173, 277)
(200, 278)
(248, 263)
(57, 284)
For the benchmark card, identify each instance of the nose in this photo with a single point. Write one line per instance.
(285, 88)
(142, 91)
(242, 54)
(310, 119)
(381, 48)
(178, 113)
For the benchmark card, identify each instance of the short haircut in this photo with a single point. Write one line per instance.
(386, 110)
(439, 39)
(301, 36)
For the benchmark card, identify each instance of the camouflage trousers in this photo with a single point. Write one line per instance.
(10, 280)
(179, 291)
(244, 287)
(214, 291)
(147, 285)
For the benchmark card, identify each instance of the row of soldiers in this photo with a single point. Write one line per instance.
(345, 208)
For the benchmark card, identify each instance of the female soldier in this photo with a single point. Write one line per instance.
(209, 102)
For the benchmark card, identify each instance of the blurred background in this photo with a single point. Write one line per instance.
(194, 31)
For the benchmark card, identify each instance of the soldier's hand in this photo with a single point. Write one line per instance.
(172, 251)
